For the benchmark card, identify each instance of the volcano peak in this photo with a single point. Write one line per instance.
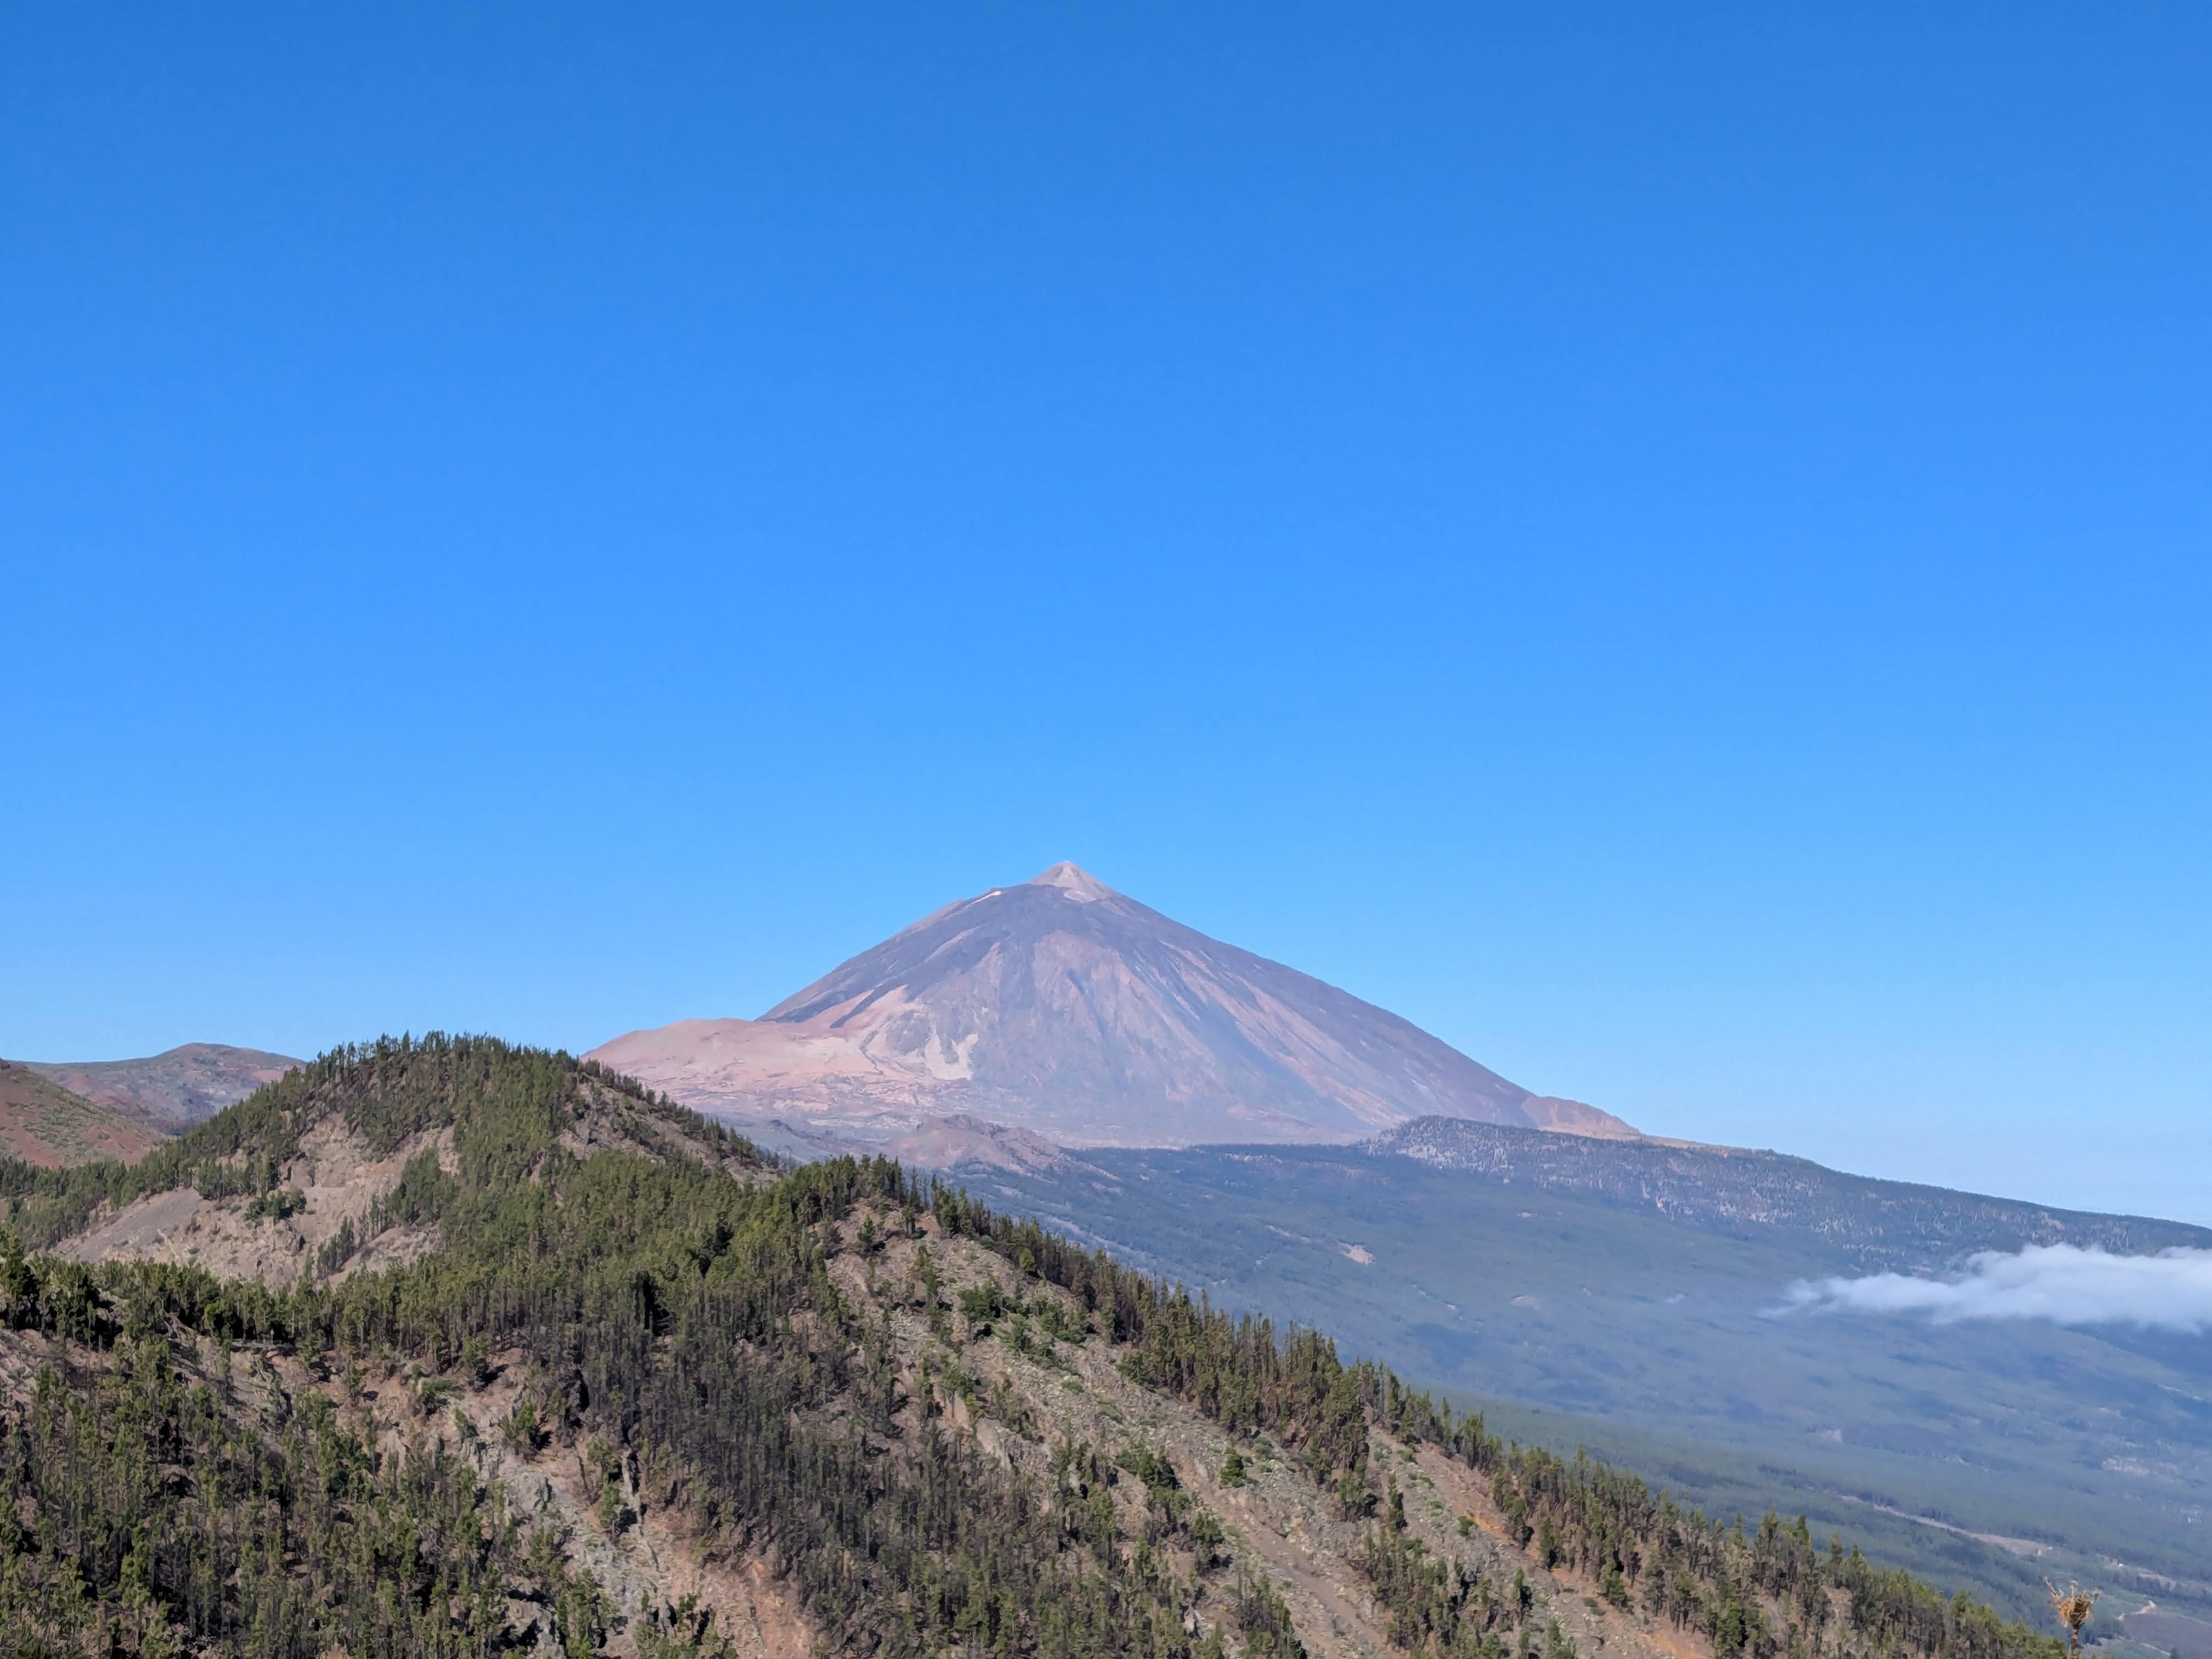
(1095, 1021)
(1073, 880)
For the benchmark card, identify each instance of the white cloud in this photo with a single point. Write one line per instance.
(2062, 1283)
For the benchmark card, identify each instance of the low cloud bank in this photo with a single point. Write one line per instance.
(2062, 1283)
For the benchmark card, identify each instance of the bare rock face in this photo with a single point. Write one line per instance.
(1065, 1008)
(949, 1142)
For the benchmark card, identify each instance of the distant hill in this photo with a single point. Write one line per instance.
(45, 1124)
(1063, 1007)
(172, 1090)
(1880, 1224)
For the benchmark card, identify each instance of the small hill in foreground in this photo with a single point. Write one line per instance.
(45, 1124)
(1061, 1007)
(636, 1392)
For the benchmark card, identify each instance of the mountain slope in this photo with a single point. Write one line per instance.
(645, 1397)
(1625, 1295)
(173, 1090)
(1062, 1006)
(44, 1123)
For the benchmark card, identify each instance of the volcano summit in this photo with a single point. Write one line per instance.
(1063, 1007)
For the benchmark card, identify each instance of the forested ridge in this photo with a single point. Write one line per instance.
(786, 1360)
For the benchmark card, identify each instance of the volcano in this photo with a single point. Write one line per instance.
(1063, 1008)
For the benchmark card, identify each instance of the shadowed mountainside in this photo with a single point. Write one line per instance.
(1883, 1225)
(1064, 1007)
(1627, 1295)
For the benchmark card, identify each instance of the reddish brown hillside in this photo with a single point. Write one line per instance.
(45, 1124)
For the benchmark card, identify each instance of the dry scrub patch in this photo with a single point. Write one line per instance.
(1279, 1521)
(335, 1171)
(648, 1564)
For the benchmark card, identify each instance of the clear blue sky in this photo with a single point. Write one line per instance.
(1669, 545)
